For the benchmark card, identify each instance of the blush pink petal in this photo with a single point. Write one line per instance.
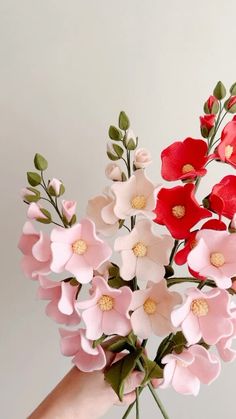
(66, 235)
(61, 253)
(141, 323)
(168, 372)
(67, 300)
(161, 325)
(147, 270)
(108, 215)
(53, 312)
(114, 322)
(185, 382)
(138, 298)
(69, 341)
(180, 314)
(122, 304)
(78, 266)
(41, 249)
(93, 318)
(206, 366)
(129, 262)
(32, 268)
(198, 258)
(213, 330)
(97, 254)
(126, 242)
(191, 328)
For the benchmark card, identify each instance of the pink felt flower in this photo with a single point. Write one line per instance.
(36, 250)
(86, 358)
(143, 253)
(151, 310)
(224, 346)
(214, 256)
(78, 250)
(135, 196)
(34, 212)
(185, 371)
(68, 209)
(100, 210)
(204, 315)
(63, 297)
(107, 310)
(142, 158)
(56, 187)
(113, 172)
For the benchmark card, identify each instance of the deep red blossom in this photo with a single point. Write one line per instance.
(178, 210)
(226, 150)
(223, 197)
(184, 159)
(211, 105)
(231, 102)
(207, 121)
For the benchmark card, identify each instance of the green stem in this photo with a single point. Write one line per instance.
(158, 401)
(54, 204)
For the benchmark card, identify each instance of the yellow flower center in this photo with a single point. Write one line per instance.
(106, 303)
(178, 211)
(199, 307)
(228, 151)
(187, 168)
(79, 247)
(150, 306)
(182, 364)
(139, 202)
(140, 249)
(217, 259)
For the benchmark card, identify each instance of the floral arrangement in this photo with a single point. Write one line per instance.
(124, 303)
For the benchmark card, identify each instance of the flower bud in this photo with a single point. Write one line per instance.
(68, 210)
(130, 141)
(56, 187)
(230, 105)
(30, 194)
(34, 212)
(207, 122)
(211, 106)
(113, 172)
(142, 158)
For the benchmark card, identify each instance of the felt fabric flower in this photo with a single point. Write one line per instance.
(207, 122)
(36, 249)
(223, 197)
(34, 212)
(63, 297)
(151, 310)
(100, 210)
(204, 315)
(214, 256)
(134, 196)
(113, 172)
(56, 187)
(68, 209)
(226, 150)
(211, 106)
(107, 310)
(86, 357)
(78, 250)
(142, 158)
(143, 253)
(178, 210)
(184, 160)
(224, 346)
(187, 370)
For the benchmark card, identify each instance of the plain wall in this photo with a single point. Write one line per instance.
(67, 68)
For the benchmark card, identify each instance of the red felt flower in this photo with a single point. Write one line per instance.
(178, 210)
(211, 105)
(207, 121)
(184, 160)
(223, 197)
(226, 150)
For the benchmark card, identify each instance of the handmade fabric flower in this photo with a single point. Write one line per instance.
(36, 250)
(151, 310)
(211, 106)
(113, 172)
(78, 250)
(68, 209)
(107, 310)
(223, 197)
(143, 253)
(142, 158)
(184, 160)
(224, 346)
(204, 315)
(134, 196)
(34, 212)
(226, 150)
(63, 297)
(207, 121)
(214, 256)
(86, 357)
(100, 210)
(178, 210)
(185, 371)
(56, 187)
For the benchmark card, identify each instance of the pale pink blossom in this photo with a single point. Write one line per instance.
(55, 187)
(34, 212)
(224, 346)
(187, 370)
(135, 196)
(86, 357)
(36, 249)
(100, 210)
(129, 135)
(78, 250)
(143, 253)
(204, 315)
(62, 296)
(113, 172)
(152, 309)
(68, 209)
(142, 158)
(29, 192)
(214, 256)
(107, 310)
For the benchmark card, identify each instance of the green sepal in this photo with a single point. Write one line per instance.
(34, 178)
(40, 162)
(206, 109)
(152, 370)
(120, 371)
(123, 177)
(206, 202)
(47, 220)
(112, 157)
(52, 191)
(233, 89)
(99, 341)
(118, 150)
(115, 134)
(123, 121)
(131, 144)
(73, 220)
(232, 108)
(169, 271)
(32, 198)
(121, 223)
(219, 91)
(204, 132)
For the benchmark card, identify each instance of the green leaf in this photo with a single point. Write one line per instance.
(73, 220)
(219, 91)
(117, 282)
(206, 109)
(123, 121)
(40, 162)
(233, 89)
(112, 157)
(204, 132)
(152, 370)
(115, 134)
(118, 345)
(118, 150)
(34, 178)
(120, 371)
(131, 145)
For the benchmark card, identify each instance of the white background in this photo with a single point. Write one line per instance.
(67, 69)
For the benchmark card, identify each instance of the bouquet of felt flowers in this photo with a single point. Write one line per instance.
(118, 296)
